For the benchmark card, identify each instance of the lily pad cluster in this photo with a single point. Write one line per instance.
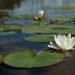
(30, 59)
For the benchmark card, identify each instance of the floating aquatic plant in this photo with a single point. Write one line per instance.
(63, 43)
(30, 59)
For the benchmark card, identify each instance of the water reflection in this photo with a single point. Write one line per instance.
(6, 4)
(30, 7)
(5, 9)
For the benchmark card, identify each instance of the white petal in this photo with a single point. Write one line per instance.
(69, 36)
(51, 43)
(58, 41)
(73, 49)
(53, 47)
(71, 43)
(64, 42)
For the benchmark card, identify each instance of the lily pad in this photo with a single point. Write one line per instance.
(40, 38)
(28, 59)
(60, 28)
(1, 57)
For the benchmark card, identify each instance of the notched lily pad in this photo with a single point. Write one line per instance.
(47, 58)
(28, 59)
(40, 38)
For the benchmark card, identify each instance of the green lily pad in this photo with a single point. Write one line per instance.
(1, 57)
(47, 58)
(40, 38)
(28, 59)
(60, 28)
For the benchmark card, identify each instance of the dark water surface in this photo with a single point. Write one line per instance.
(15, 42)
(12, 42)
(63, 68)
(66, 67)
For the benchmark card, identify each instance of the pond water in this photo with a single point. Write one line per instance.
(13, 42)
(17, 21)
(30, 7)
(17, 42)
(52, 8)
(63, 68)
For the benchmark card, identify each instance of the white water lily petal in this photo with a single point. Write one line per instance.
(71, 43)
(57, 40)
(69, 36)
(63, 42)
(53, 44)
(73, 48)
(53, 47)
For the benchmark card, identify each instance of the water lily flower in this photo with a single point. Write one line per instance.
(1, 28)
(63, 42)
(39, 15)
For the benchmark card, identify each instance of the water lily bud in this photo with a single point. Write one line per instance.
(39, 15)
